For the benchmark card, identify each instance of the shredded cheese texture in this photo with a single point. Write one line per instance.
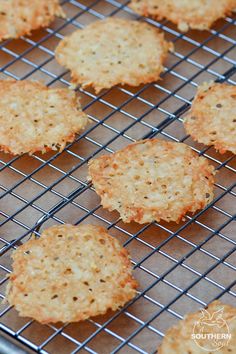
(70, 274)
(212, 118)
(153, 180)
(178, 339)
(34, 117)
(186, 14)
(114, 51)
(20, 17)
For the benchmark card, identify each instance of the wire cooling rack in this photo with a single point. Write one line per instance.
(181, 267)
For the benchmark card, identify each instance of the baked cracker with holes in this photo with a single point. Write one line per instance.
(219, 319)
(34, 117)
(153, 180)
(192, 14)
(212, 118)
(114, 51)
(20, 17)
(69, 274)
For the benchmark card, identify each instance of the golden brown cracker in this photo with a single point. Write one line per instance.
(70, 274)
(153, 180)
(212, 118)
(113, 51)
(34, 117)
(20, 17)
(220, 319)
(185, 14)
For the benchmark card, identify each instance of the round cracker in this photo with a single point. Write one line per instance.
(34, 117)
(178, 339)
(185, 14)
(152, 180)
(70, 274)
(20, 17)
(113, 51)
(212, 118)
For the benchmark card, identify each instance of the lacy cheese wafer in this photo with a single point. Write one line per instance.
(113, 51)
(70, 274)
(207, 331)
(153, 180)
(212, 117)
(34, 117)
(193, 14)
(20, 17)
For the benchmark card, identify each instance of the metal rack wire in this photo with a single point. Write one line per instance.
(180, 267)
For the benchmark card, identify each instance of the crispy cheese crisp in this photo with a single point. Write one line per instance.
(186, 14)
(70, 274)
(191, 334)
(212, 118)
(114, 51)
(20, 17)
(153, 180)
(34, 117)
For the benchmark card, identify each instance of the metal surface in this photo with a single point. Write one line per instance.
(7, 347)
(181, 267)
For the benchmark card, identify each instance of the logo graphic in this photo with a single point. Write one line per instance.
(211, 331)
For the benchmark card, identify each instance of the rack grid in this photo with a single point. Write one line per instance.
(180, 267)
